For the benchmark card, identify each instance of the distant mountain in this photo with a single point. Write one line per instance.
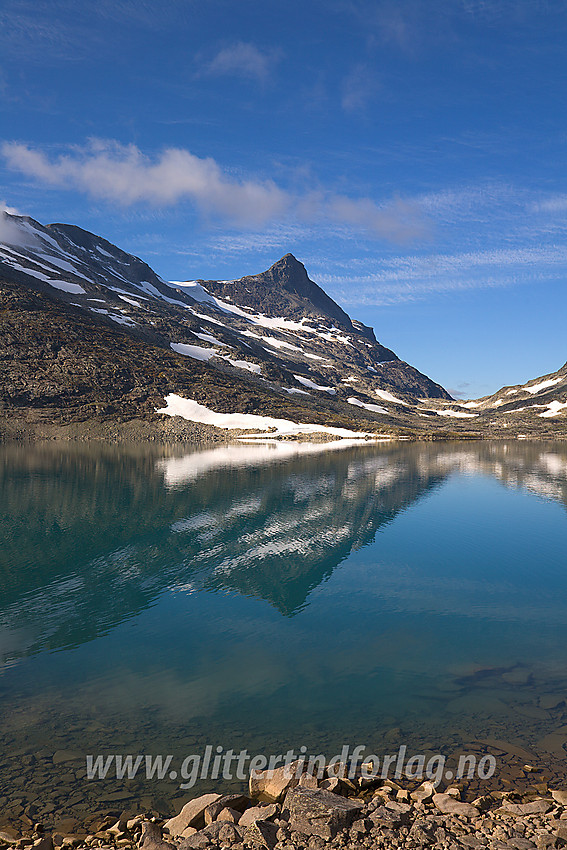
(92, 333)
(545, 397)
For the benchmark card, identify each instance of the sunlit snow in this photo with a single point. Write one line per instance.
(195, 412)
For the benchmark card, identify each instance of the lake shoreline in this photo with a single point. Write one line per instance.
(303, 812)
(177, 430)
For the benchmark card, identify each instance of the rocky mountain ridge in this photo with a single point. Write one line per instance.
(92, 332)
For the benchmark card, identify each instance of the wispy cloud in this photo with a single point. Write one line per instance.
(41, 31)
(462, 390)
(400, 222)
(358, 88)
(120, 174)
(555, 204)
(414, 277)
(244, 60)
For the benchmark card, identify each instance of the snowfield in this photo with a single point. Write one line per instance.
(195, 412)
(72, 288)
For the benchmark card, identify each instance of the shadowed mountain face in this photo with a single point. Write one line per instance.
(89, 332)
(76, 308)
(93, 537)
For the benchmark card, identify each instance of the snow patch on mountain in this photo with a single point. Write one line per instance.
(386, 396)
(212, 339)
(375, 408)
(194, 351)
(72, 288)
(193, 411)
(130, 301)
(455, 414)
(555, 408)
(244, 364)
(313, 386)
(537, 388)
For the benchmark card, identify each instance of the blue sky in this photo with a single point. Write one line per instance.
(411, 154)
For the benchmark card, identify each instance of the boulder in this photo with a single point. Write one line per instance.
(250, 816)
(235, 801)
(332, 784)
(192, 814)
(228, 835)
(197, 841)
(385, 817)
(536, 807)
(320, 812)
(448, 805)
(560, 797)
(272, 785)
(306, 780)
(229, 815)
(262, 834)
(151, 838)
(44, 843)
(424, 793)
(339, 770)
(207, 836)
(395, 806)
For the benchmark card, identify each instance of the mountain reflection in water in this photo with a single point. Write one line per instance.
(94, 536)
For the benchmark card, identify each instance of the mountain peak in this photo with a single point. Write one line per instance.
(288, 259)
(287, 268)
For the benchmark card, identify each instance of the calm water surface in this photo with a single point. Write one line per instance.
(264, 598)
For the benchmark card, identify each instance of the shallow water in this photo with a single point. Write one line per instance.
(267, 598)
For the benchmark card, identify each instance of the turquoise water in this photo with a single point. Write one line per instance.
(268, 598)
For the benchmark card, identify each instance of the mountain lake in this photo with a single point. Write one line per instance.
(268, 597)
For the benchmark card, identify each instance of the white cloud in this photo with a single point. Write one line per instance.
(244, 60)
(10, 233)
(123, 174)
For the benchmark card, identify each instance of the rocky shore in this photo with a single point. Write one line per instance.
(290, 809)
(112, 431)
